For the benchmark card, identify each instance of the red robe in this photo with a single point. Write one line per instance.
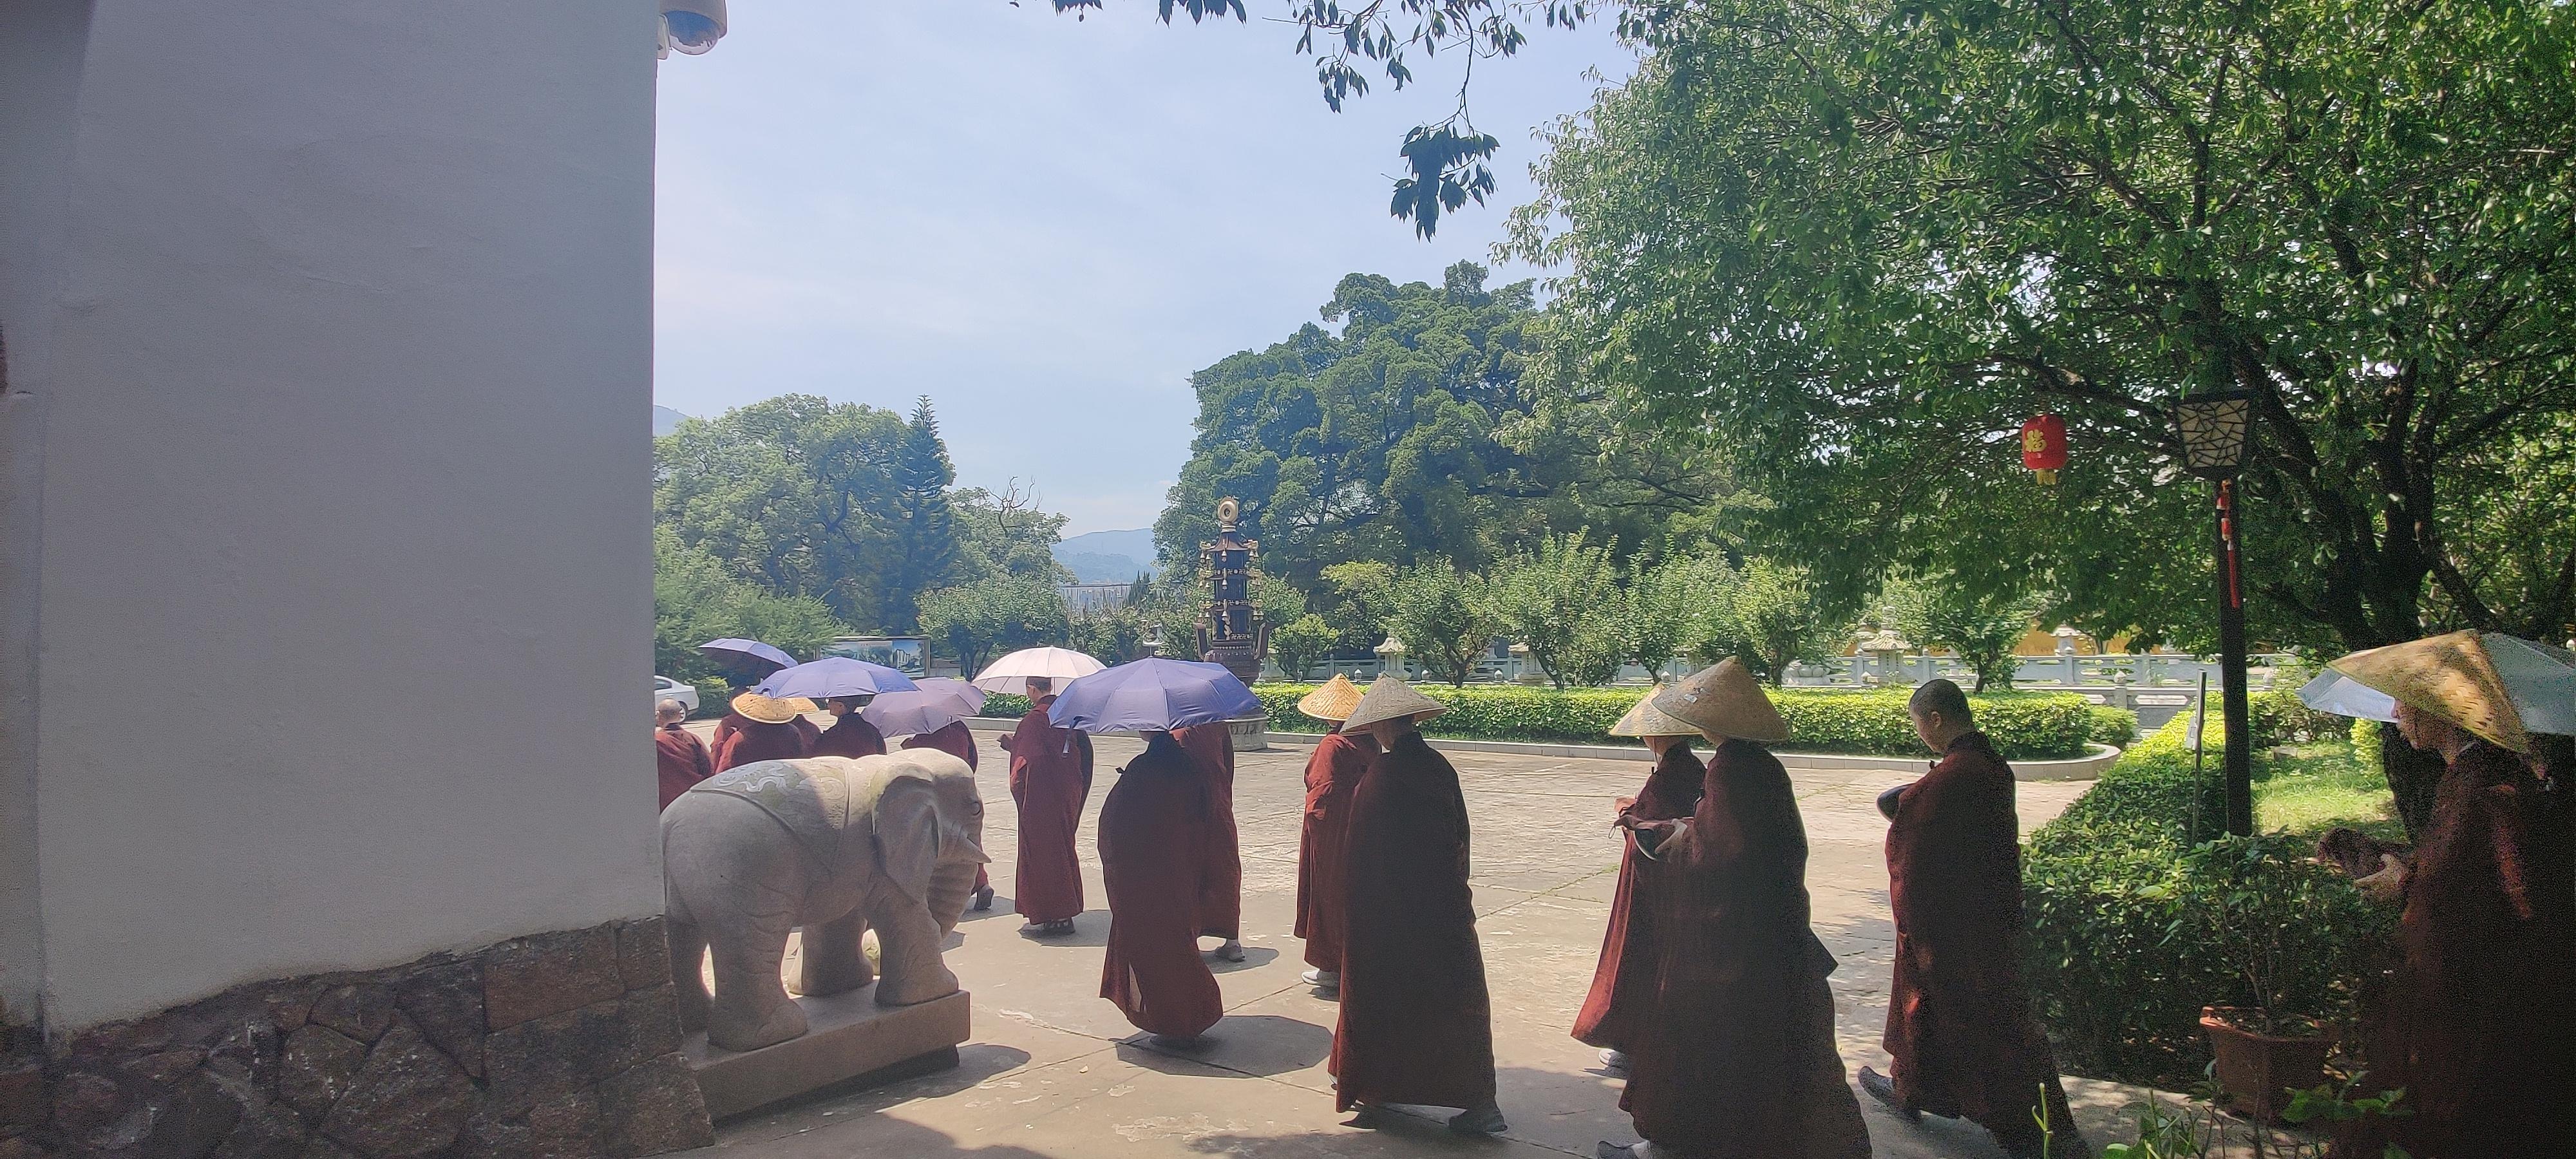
(958, 741)
(1050, 780)
(2475, 1022)
(1332, 774)
(1738, 1059)
(1623, 985)
(1151, 965)
(1416, 1023)
(849, 737)
(728, 727)
(1220, 908)
(680, 760)
(813, 733)
(1959, 1023)
(755, 741)
(955, 739)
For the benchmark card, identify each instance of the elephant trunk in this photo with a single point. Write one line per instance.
(951, 884)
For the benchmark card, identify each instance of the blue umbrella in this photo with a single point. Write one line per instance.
(752, 655)
(1154, 695)
(835, 676)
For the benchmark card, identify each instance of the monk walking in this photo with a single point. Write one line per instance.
(1737, 1060)
(849, 736)
(1211, 749)
(1150, 865)
(1623, 984)
(680, 759)
(958, 741)
(2473, 1023)
(1416, 1022)
(767, 732)
(1333, 773)
(1050, 780)
(1960, 1033)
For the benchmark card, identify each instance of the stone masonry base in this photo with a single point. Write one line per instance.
(557, 1044)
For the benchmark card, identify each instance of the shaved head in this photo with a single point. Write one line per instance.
(670, 710)
(1943, 698)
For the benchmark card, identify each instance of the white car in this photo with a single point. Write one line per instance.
(665, 688)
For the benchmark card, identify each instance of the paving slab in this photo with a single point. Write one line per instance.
(1052, 1071)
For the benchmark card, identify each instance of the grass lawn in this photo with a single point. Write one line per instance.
(2315, 787)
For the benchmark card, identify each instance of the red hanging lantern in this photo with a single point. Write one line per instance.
(2043, 447)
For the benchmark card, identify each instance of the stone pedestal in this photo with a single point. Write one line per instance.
(848, 1036)
(1250, 734)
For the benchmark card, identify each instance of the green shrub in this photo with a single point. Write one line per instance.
(2365, 742)
(2116, 727)
(2119, 891)
(1005, 704)
(715, 697)
(2278, 717)
(2024, 725)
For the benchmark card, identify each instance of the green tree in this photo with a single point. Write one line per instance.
(697, 599)
(978, 621)
(1439, 613)
(925, 532)
(1363, 603)
(1859, 249)
(1005, 533)
(1773, 619)
(1651, 618)
(1980, 624)
(795, 493)
(1301, 644)
(1555, 599)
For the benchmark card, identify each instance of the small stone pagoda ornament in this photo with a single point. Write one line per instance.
(1231, 633)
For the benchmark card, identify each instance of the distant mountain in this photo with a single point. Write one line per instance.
(665, 420)
(1102, 557)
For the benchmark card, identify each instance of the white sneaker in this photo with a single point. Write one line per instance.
(1614, 1060)
(1328, 979)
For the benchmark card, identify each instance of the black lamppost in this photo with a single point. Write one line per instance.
(2217, 427)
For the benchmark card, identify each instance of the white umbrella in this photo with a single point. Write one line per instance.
(2539, 680)
(936, 703)
(1012, 673)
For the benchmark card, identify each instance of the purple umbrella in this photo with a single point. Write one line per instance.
(1155, 695)
(835, 676)
(746, 655)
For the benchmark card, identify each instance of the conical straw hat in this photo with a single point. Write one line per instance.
(2448, 676)
(770, 709)
(1723, 700)
(1389, 698)
(1333, 701)
(1647, 720)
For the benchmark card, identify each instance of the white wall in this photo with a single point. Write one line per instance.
(345, 594)
(40, 57)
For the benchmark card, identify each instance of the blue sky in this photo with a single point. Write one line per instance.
(1044, 224)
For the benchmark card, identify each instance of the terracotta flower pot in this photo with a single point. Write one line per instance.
(2258, 1070)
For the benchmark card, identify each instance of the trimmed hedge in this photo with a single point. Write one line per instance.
(1005, 704)
(2116, 727)
(2024, 725)
(2118, 890)
(715, 697)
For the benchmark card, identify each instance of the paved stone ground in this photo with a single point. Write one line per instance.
(1054, 1071)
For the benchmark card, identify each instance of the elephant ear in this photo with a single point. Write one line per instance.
(908, 833)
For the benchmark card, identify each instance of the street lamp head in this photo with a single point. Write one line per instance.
(2216, 427)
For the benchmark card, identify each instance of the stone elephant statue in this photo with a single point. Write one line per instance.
(832, 844)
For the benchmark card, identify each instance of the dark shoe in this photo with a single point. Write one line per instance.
(1876, 1086)
(983, 899)
(1610, 1150)
(1229, 952)
(1484, 1120)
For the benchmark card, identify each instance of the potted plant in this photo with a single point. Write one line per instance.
(2260, 903)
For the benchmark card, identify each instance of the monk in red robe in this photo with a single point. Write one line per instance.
(813, 734)
(1737, 1060)
(1050, 780)
(1211, 749)
(680, 759)
(1623, 984)
(766, 733)
(1333, 773)
(1960, 1032)
(958, 741)
(1416, 1021)
(849, 736)
(2475, 1024)
(1150, 865)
